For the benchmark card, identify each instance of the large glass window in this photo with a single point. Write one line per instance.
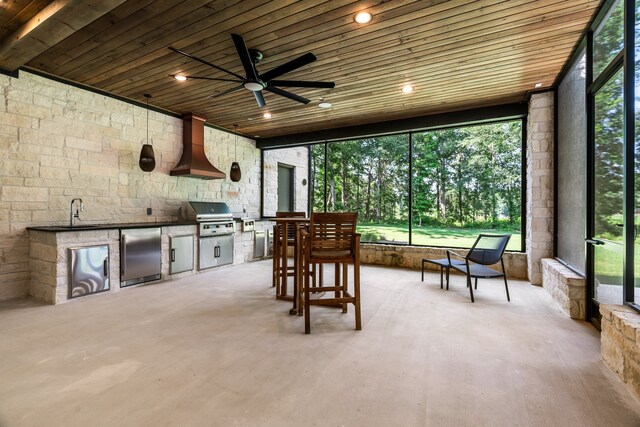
(369, 176)
(608, 194)
(465, 181)
(612, 253)
(608, 38)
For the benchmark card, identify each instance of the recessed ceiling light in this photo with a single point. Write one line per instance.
(407, 89)
(267, 115)
(538, 85)
(180, 77)
(363, 17)
(324, 104)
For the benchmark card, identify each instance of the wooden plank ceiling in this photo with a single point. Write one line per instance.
(457, 54)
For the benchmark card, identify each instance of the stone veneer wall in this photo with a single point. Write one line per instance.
(58, 142)
(566, 287)
(539, 205)
(411, 257)
(620, 344)
(297, 157)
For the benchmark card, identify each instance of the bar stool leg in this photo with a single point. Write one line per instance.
(337, 279)
(345, 284)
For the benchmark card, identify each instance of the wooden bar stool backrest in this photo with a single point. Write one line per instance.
(332, 236)
(291, 228)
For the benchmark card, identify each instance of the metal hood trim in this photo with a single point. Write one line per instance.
(194, 162)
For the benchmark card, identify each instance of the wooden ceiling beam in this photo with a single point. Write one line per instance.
(60, 19)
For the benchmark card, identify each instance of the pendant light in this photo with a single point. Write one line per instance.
(147, 157)
(235, 172)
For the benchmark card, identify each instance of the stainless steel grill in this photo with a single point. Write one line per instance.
(215, 218)
(215, 232)
(205, 211)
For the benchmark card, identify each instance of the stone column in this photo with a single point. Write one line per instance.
(539, 206)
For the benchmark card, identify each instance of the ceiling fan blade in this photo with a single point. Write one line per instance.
(209, 78)
(224, 92)
(195, 58)
(243, 53)
(286, 94)
(259, 98)
(301, 83)
(300, 61)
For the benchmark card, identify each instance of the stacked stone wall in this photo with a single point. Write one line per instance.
(566, 287)
(539, 205)
(58, 142)
(298, 158)
(620, 344)
(515, 263)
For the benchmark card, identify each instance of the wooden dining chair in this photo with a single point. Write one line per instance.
(331, 239)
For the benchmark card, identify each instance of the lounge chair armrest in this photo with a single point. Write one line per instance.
(449, 253)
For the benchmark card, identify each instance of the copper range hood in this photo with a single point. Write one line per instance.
(194, 163)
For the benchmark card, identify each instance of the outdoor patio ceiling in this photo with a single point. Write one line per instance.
(455, 54)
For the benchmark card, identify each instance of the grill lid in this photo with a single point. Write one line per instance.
(205, 211)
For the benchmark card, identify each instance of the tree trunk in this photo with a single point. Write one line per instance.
(331, 204)
(343, 193)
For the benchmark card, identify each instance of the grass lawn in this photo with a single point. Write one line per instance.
(432, 236)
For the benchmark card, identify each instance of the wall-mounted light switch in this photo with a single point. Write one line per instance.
(149, 211)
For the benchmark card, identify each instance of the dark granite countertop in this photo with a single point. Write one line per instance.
(91, 227)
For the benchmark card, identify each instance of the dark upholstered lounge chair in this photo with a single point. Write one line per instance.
(487, 250)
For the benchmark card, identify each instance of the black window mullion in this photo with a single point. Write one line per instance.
(592, 311)
(629, 152)
(324, 199)
(410, 187)
(523, 186)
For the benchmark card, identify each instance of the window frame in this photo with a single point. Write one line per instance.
(522, 118)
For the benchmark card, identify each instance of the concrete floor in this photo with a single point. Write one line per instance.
(218, 350)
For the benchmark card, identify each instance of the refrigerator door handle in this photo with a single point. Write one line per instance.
(123, 257)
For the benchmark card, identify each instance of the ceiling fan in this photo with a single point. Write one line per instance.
(256, 82)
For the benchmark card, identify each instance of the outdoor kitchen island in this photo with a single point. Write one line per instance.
(50, 248)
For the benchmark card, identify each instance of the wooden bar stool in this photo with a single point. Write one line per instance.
(331, 239)
(284, 237)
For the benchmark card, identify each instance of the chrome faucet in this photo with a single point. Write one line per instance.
(77, 213)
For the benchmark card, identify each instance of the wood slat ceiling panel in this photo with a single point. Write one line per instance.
(458, 54)
(14, 13)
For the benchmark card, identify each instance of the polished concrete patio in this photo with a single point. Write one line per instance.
(218, 350)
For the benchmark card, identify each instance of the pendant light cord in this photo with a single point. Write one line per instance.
(147, 96)
(235, 145)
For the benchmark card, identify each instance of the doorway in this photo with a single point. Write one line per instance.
(286, 174)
